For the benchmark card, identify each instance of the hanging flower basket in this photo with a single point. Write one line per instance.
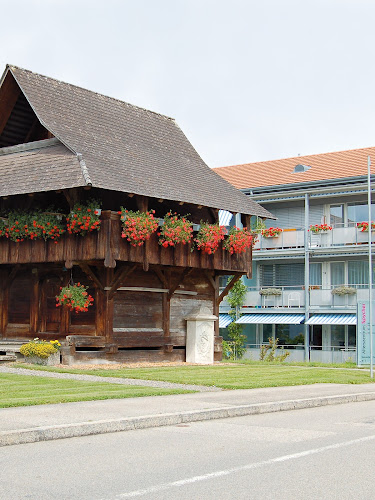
(41, 352)
(239, 240)
(175, 230)
(271, 232)
(137, 227)
(320, 228)
(209, 237)
(363, 226)
(75, 297)
(344, 290)
(84, 218)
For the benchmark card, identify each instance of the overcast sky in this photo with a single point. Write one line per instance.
(245, 80)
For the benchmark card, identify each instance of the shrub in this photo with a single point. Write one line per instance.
(40, 348)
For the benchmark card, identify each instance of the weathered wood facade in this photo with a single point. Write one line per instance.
(142, 294)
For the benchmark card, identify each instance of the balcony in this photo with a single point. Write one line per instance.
(108, 246)
(293, 298)
(339, 236)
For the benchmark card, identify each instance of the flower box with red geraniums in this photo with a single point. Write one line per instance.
(137, 227)
(175, 230)
(209, 237)
(20, 226)
(239, 240)
(320, 228)
(75, 297)
(84, 218)
(271, 232)
(363, 226)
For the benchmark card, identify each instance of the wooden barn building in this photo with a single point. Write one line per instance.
(61, 145)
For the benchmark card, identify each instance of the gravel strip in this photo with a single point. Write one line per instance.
(109, 380)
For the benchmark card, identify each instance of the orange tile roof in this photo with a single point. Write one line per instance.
(324, 166)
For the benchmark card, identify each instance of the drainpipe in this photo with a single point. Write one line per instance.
(307, 279)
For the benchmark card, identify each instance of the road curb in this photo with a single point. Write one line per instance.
(62, 431)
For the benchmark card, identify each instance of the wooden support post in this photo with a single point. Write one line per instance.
(34, 303)
(4, 295)
(216, 280)
(64, 313)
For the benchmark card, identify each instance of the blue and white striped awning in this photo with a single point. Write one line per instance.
(270, 319)
(332, 319)
(225, 217)
(224, 320)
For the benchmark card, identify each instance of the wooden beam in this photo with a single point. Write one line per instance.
(159, 273)
(71, 196)
(12, 275)
(9, 94)
(210, 279)
(119, 277)
(142, 203)
(184, 274)
(90, 273)
(229, 287)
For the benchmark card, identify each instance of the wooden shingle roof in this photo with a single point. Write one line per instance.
(124, 148)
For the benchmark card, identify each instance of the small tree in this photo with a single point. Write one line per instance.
(236, 299)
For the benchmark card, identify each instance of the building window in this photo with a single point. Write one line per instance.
(337, 215)
(282, 275)
(358, 212)
(316, 274)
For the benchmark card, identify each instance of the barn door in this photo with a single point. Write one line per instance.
(50, 314)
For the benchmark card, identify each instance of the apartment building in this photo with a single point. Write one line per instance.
(309, 274)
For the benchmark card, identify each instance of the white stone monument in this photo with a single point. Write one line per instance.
(200, 336)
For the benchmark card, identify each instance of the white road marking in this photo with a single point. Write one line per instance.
(256, 465)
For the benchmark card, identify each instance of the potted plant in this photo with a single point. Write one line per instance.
(363, 226)
(137, 227)
(209, 237)
(320, 228)
(75, 297)
(239, 240)
(20, 226)
(175, 230)
(270, 291)
(344, 290)
(271, 232)
(41, 352)
(84, 218)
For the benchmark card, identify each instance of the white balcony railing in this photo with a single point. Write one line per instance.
(294, 238)
(293, 297)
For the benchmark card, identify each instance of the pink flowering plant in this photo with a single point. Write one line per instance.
(84, 218)
(209, 237)
(363, 226)
(271, 232)
(319, 228)
(175, 230)
(137, 227)
(75, 297)
(238, 240)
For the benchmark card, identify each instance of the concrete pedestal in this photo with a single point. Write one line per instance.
(200, 337)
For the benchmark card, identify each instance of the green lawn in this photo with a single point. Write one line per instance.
(25, 390)
(235, 376)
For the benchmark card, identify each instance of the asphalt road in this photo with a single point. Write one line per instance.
(319, 453)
